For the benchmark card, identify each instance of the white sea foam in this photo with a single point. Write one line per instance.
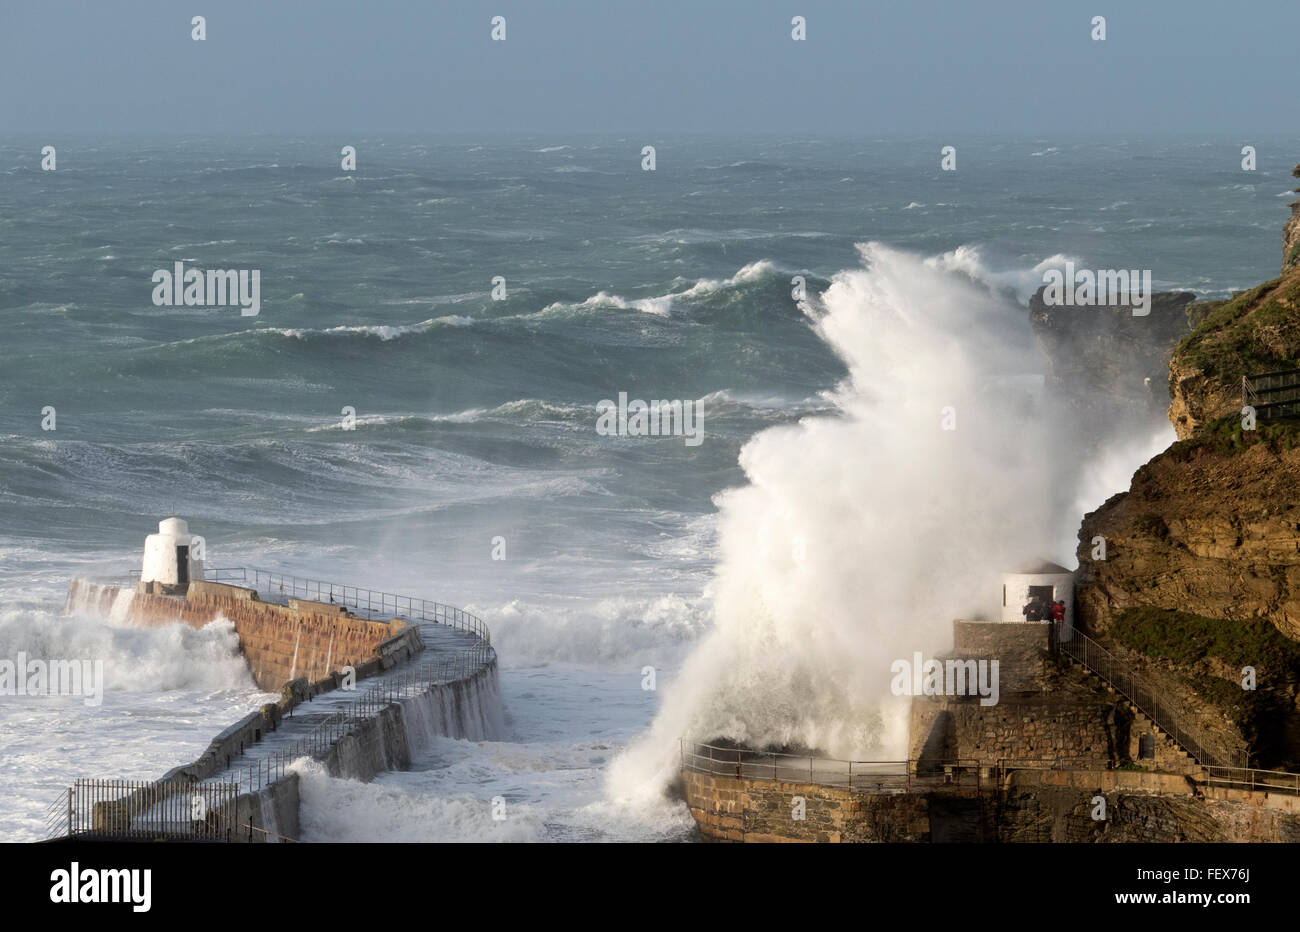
(167, 692)
(860, 537)
(610, 630)
(1021, 283)
(662, 305)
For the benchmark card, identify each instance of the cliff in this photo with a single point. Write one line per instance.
(1291, 233)
(1201, 573)
(1256, 331)
(1105, 358)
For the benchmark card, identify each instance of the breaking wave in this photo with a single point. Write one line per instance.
(861, 534)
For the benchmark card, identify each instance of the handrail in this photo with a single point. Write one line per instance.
(372, 603)
(922, 774)
(62, 815)
(66, 816)
(1252, 778)
(266, 831)
(900, 776)
(144, 810)
(1272, 394)
(1127, 683)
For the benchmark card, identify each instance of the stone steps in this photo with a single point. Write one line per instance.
(1138, 715)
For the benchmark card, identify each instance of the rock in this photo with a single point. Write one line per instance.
(1256, 331)
(1203, 531)
(1105, 357)
(1291, 233)
(1211, 526)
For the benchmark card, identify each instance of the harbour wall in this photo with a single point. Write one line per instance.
(1028, 768)
(468, 708)
(298, 650)
(1024, 806)
(388, 739)
(1047, 711)
(280, 642)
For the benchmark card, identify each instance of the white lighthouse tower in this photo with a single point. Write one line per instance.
(172, 557)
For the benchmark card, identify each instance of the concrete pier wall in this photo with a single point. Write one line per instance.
(280, 642)
(468, 708)
(298, 650)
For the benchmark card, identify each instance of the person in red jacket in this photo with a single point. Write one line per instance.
(1058, 611)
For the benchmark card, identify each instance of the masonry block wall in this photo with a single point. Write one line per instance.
(1023, 651)
(1030, 807)
(1045, 711)
(1077, 728)
(732, 809)
(280, 643)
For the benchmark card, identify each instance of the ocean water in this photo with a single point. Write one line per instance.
(475, 424)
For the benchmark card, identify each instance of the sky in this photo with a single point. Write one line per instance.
(430, 67)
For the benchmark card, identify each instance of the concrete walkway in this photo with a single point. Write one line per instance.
(265, 760)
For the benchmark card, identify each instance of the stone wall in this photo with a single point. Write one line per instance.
(1023, 651)
(1073, 725)
(280, 643)
(1058, 806)
(381, 742)
(298, 650)
(1027, 807)
(1046, 711)
(731, 809)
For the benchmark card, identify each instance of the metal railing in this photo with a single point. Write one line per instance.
(1272, 394)
(1006, 765)
(1252, 779)
(904, 776)
(405, 684)
(371, 604)
(267, 833)
(1145, 697)
(138, 809)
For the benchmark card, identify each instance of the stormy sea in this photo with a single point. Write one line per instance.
(414, 408)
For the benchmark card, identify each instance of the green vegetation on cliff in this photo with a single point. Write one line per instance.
(1186, 638)
(1256, 331)
(1225, 435)
(1264, 714)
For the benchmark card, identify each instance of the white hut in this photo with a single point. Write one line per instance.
(1043, 581)
(172, 556)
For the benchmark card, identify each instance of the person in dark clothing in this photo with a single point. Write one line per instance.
(1030, 611)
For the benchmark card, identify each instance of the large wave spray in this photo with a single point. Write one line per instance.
(860, 536)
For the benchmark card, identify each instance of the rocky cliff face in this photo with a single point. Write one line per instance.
(1256, 331)
(1201, 572)
(1201, 530)
(1104, 357)
(1200, 580)
(1291, 233)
